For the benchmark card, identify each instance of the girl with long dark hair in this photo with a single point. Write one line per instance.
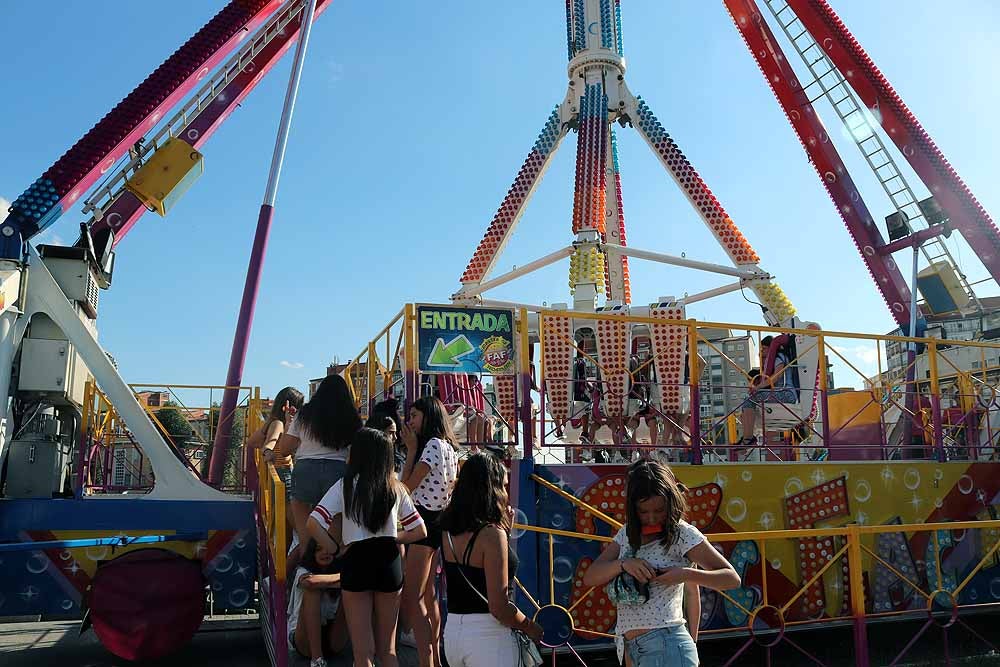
(658, 549)
(284, 408)
(320, 438)
(371, 503)
(429, 472)
(480, 566)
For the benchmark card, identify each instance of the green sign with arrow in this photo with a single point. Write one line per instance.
(465, 340)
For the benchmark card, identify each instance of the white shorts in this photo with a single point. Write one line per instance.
(581, 408)
(479, 640)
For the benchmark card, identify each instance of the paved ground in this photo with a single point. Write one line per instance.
(225, 642)
(238, 642)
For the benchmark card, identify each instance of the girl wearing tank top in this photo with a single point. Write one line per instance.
(479, 563)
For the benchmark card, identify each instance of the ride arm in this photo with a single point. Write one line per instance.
(965, 212)
(514, 203)
(777, 307)
(83, 164)
(824, 157)
(125, 210)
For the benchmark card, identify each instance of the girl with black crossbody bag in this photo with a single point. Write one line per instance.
(480, 566)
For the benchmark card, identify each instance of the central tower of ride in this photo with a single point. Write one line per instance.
(597, 97)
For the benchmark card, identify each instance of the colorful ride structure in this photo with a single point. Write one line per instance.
(853, 506)
(92, 479)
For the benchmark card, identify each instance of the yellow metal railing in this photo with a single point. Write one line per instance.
(107, 430)
(391, 357)
(273, 512)
(934, 593)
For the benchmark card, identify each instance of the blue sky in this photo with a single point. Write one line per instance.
(413, 120)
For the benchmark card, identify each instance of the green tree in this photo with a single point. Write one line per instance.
(232, 476)
(175, 426)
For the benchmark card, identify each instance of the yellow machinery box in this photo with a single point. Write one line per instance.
(167, 175)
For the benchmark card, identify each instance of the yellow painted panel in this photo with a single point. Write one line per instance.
(167, 175)
(854, 407)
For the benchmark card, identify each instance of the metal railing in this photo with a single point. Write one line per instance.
(109, 460)
(270, 512)
(865, 423)
(853, 575)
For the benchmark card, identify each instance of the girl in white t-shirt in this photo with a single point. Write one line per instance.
(375, 516)
(430, 472)
(657, 548)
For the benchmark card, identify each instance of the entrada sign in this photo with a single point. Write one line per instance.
(465, 340)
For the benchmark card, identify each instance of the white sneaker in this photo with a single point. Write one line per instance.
(317, 662)
(407, 639)
(587, 455)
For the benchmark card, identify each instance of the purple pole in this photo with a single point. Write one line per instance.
(234, 377)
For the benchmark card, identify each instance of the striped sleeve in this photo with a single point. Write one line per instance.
(409, 518)
(330, 506)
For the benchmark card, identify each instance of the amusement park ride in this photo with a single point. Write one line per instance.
(67, 551)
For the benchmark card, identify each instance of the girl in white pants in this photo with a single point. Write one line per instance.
(480, 566)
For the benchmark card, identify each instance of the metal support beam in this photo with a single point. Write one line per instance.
(472, 290)
(238, 356)
(914, 240)
(173, 480)
(683, 261)
(717, 291)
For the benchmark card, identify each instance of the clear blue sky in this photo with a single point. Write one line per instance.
(412, 121)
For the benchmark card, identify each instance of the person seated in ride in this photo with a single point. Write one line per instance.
(582, 396)
(316, 625)
(642, 375)
(774, 387)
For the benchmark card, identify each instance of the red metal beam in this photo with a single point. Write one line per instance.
(122, 215)
(823, 155)
(93, 155)
(966, 213)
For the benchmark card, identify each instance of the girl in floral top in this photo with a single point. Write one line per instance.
(657, 547)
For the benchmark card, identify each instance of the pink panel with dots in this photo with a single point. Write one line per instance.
(558, 353)
(613, 350)
(504, 385)
(670, 349)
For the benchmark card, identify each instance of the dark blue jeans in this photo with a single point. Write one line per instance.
(312, 478)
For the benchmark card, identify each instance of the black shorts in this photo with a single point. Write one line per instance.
(372, 565)
(432, 521)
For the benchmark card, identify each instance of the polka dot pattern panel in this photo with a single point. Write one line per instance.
(613, 354)
(807, 509)
(558, 353)
(670, 349)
